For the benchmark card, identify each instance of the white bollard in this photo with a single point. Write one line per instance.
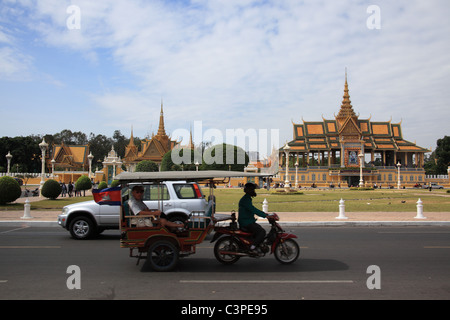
(265, 206)
(341, 210)
(419, 210)
(26, 210)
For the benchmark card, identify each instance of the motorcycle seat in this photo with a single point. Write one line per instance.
(243, 232)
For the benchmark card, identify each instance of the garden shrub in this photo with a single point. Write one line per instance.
(51, 189)
(102, 185)
(115, 183)
(9, 190)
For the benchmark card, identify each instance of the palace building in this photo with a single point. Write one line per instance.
(337, 151)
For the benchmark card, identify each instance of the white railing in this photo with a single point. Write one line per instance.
(437, 176)
(16, 174)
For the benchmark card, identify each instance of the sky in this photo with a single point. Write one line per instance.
(222, 66)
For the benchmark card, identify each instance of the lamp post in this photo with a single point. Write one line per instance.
(8, 158)
(90, 157)
(43, 146)
(361, 181)
(114, 168)
(53, 167)
(296, 174)
(286, 183)
(398, 175)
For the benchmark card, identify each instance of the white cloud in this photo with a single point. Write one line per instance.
(259, 64)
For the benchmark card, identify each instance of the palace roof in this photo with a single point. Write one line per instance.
(327, 134)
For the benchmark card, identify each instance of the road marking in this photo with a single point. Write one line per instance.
(414, 232)
(3, 281)
(264, 281)
(203, 247)
(26, 227)
(437, 247)
(30, 247)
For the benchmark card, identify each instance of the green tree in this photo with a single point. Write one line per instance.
(83, 183)
(442, 154)
(439, 160)
(147, 166)
(25, 152)
(99, 145)
(186, 154)
(224, 157)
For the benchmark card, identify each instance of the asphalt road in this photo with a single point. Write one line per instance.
(410, 263)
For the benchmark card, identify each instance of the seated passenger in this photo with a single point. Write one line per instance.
(138, 207)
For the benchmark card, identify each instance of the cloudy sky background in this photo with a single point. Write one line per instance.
(231, 64)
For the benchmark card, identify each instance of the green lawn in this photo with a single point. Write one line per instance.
(307, 201)
(47, 204)
(328, 200)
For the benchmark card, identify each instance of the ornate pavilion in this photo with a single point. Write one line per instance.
(335, 152)
(152, 149)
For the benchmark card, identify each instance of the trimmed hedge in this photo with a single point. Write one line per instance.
(102, 185)
(51, 189)
(9, 190)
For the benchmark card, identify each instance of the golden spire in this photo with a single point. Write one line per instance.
(131, 138)
(346, 107)
(161, 130)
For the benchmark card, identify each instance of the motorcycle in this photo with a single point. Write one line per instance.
(233, 243)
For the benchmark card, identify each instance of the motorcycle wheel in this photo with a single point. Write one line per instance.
(287, 251)
(226, 244)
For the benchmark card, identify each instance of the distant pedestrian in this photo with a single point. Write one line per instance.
(70, 188)
(63, 189)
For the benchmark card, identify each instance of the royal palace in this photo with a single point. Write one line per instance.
(350, 151)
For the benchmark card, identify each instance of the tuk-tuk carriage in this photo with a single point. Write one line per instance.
(147, 239)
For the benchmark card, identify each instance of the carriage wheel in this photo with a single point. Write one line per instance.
(162, 256)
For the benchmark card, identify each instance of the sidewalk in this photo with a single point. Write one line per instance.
(49, 218)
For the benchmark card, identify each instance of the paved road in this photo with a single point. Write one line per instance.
(413, 262)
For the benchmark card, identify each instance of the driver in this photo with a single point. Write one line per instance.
(137, 206)
(246, 218)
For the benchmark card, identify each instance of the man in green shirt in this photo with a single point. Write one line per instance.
(247, 212)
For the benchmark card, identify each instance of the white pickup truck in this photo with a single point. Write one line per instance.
(87, 219)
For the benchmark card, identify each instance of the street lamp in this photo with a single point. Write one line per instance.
(114, 168)
(43, 146)
(90, 157)
(398, 181)
(286, 183)
(8, 158)
(53, 167)
(361, 181)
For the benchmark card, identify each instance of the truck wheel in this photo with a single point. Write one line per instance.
(82, 228)
(162, 256)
